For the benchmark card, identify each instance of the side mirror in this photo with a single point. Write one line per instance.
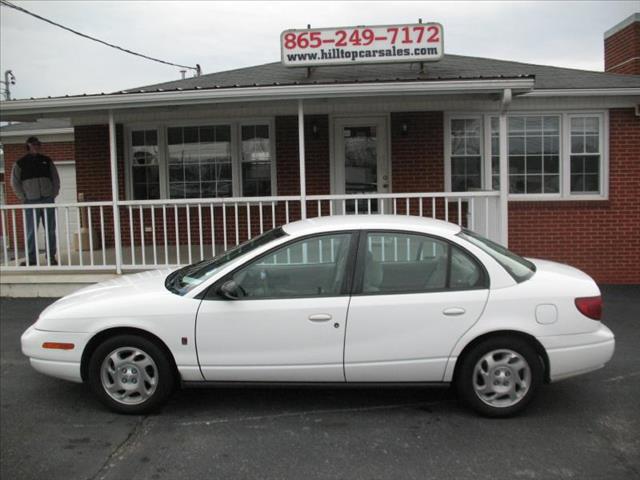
(230, 290)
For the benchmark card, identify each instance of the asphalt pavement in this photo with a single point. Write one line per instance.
(587, 427)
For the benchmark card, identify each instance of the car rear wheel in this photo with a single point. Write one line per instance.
(499, 376)
(131, 374)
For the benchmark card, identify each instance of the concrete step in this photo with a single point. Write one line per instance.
(47, 284)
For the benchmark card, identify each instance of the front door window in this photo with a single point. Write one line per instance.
(361, 167)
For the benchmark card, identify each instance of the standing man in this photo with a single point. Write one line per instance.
(35, 179)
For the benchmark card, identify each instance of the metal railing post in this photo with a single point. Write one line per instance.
(113, 157)
(303, 186)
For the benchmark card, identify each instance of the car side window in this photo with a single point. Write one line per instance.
(311, 267)
(407, 263)
(400, 263)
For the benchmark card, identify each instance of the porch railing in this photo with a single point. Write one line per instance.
(167, 233)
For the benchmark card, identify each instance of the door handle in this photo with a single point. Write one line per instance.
(454, 311)
(320, 317)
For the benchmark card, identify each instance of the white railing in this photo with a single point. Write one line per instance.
(167, 233)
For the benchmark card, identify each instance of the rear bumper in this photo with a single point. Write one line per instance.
(571, 355)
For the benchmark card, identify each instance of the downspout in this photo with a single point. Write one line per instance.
(113, 157)
(303, 186)
(504, 168)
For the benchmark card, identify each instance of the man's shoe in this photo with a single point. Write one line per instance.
(54, 262)
(31, 263)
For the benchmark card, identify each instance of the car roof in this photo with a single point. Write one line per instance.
(371, 222)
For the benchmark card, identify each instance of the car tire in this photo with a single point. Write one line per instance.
(499, 376)
(131, 374)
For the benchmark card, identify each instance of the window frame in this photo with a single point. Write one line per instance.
(358, 280)
(564, 153)
(213, 291)
(162, 127)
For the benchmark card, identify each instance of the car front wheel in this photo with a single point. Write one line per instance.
(499, 376)
(131, 374)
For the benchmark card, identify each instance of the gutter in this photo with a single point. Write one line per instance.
(226, 95)
(584, 92)
(42, 131)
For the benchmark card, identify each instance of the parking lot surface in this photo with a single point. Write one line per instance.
(582, 428)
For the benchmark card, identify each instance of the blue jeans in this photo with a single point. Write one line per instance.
(33, 218)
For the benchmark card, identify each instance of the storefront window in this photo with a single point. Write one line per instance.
(144, 165)
(199, 161)
(256, 161)
(554, 156)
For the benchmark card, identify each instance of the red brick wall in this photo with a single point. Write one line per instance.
(93, 164)
(417, 158)
(59, 151)
(317, 155)
(622, 46)
(600, 237)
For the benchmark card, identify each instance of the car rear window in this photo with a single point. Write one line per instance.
(519, 268)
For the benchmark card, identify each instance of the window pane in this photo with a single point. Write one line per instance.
(577, 144)
(591, 144)
(534, 164)
(534, 184)
(516, 145)
(534, 145)
(312, 267)
(551, 164)
(403, 263)
(585, 174)
(551, 184)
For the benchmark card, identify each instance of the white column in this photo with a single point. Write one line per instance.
(303, 184)
(113, 157)
(504, 170)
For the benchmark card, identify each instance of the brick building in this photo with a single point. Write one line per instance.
(223, 152)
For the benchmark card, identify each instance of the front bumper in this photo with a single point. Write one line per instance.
(63, 364)
(571, 355)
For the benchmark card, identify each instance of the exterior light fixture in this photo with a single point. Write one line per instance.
(404, 128)
(314, 129)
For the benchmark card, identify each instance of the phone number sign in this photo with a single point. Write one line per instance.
(419, 42)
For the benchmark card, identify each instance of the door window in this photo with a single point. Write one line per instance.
(406, 263)
(313, 267)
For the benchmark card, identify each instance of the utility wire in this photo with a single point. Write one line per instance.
(6, 3)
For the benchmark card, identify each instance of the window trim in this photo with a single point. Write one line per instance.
(358, 280)
(236, 151)
(564, 153)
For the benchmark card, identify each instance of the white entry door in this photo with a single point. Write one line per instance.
(68, 194)
(361, 164)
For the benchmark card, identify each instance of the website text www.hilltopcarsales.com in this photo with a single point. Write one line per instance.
(341, 54)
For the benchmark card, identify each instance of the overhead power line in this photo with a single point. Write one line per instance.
(6, 3)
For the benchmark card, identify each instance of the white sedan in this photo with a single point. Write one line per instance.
(334, 300)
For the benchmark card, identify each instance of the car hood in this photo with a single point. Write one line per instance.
(112, 297)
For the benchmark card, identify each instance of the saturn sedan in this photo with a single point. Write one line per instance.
(355, 300)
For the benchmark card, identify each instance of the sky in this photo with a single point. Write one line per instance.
(48, 61)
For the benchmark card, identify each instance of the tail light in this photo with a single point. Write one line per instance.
(590, 307)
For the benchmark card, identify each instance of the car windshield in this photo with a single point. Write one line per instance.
(519, 268)
(187, 278)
